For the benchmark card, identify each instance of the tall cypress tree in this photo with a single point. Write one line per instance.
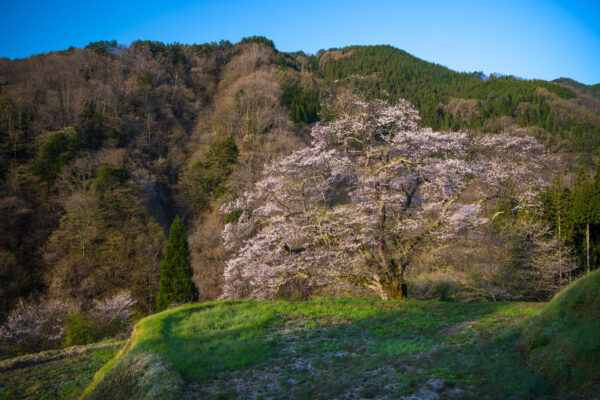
(176, 284)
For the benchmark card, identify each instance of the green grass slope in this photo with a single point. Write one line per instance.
(323, 349)
(564, 339)
(54, 374)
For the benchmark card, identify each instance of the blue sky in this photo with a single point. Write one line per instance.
(530, 39)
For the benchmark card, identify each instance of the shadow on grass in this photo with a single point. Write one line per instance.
(332, 346)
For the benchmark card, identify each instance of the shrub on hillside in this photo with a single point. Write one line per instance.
(106, 318)
(52, 323)
(81, 329)
(113, 311)
(435, 287)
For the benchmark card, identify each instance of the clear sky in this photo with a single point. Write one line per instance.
(530, 39)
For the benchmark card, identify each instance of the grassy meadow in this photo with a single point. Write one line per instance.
(327, 349)
(334, 349)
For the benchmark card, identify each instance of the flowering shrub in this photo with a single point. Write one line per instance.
(36, 326)
(53, 322)
(112, 309)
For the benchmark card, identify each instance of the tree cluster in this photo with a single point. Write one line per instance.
(304, 105)
(101, 147)
(52, 323)
(573, 213)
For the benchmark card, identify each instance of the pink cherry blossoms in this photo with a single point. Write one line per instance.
(353, 208)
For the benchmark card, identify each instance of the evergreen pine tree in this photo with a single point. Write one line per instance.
(176, 284)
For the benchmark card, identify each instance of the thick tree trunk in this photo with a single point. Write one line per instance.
(395, 287)
(587, 245)
(393, 283)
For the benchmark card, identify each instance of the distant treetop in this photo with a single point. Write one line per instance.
(259, 40)
(103, 47)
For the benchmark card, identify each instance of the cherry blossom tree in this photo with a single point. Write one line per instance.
(115, 308)
(354, 207)
(36, 326)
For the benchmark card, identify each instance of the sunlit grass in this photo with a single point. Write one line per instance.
(326, 347)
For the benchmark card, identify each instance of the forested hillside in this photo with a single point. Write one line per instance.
(592, 90)
(102, 147)
(450, 100)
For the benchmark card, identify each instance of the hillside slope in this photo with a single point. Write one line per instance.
(450, 100)
(124, 139)
(325, 349)
(100, 147)
(592, 90)
(564, 339)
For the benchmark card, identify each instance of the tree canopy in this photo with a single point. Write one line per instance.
(356, 206)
